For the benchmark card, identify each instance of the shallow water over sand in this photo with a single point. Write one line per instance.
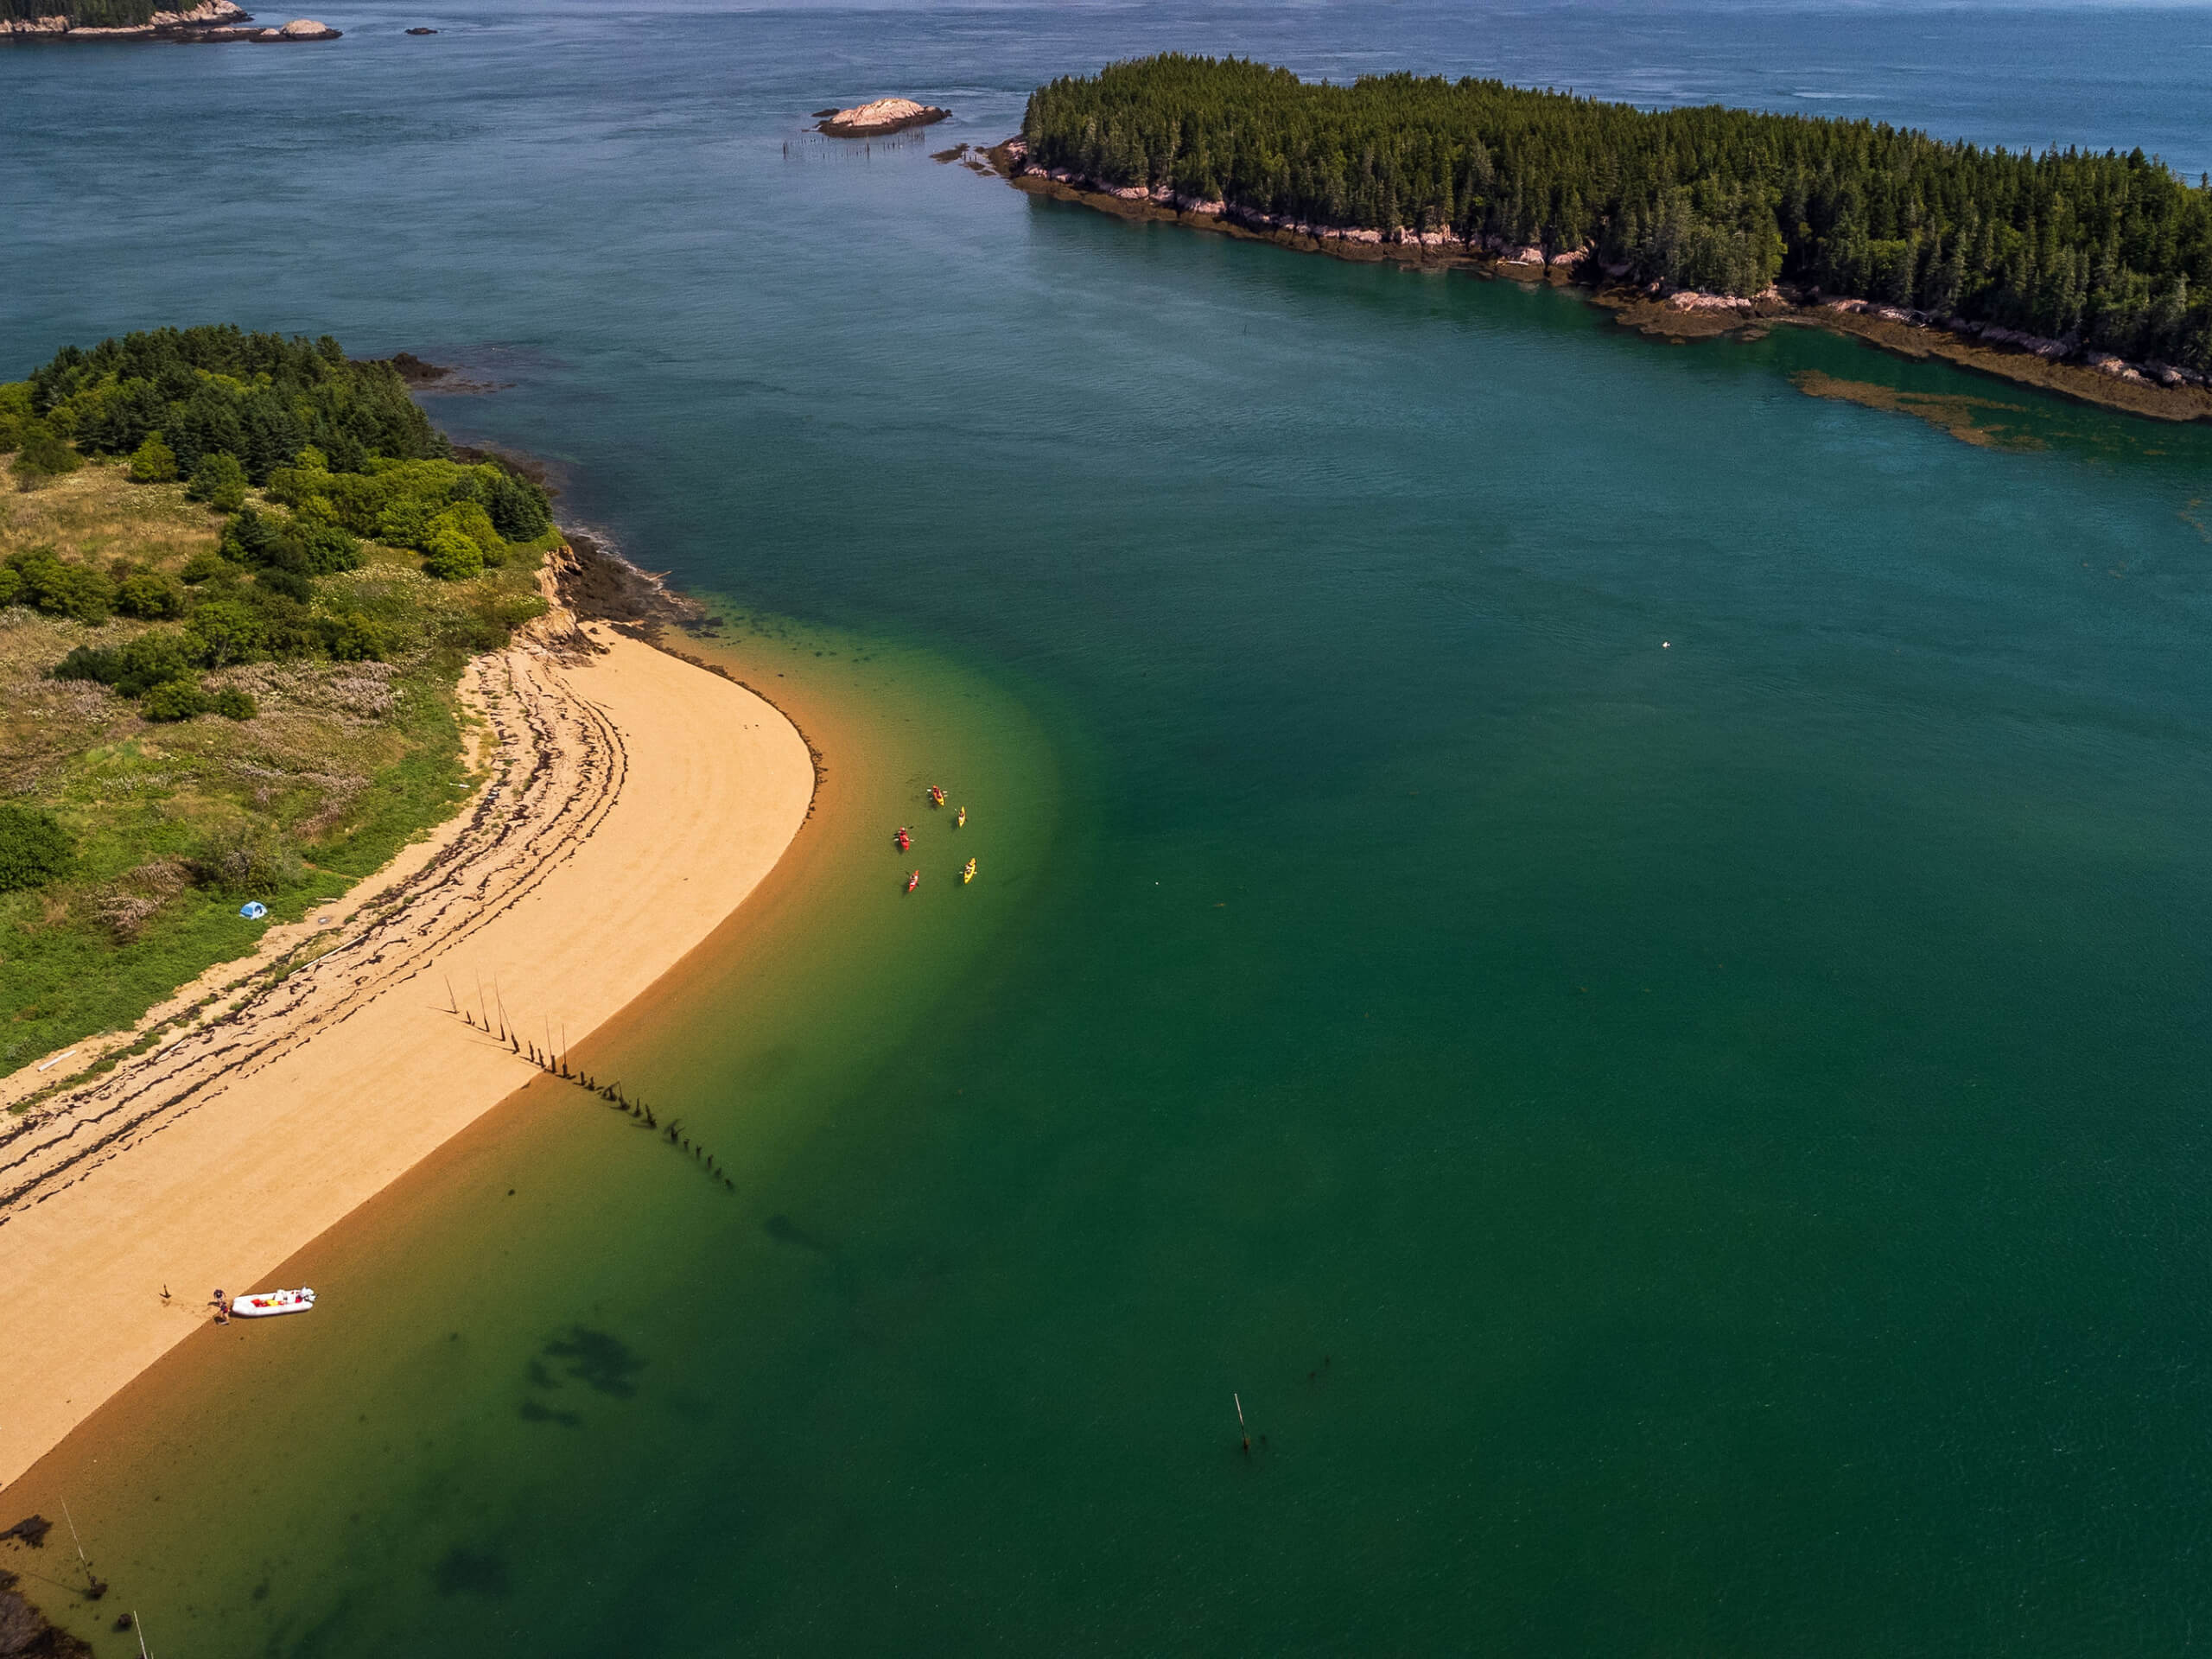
(1693, 1145)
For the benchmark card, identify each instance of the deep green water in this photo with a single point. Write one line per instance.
(1621, 950)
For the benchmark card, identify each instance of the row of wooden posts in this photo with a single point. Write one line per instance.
(556, 1065)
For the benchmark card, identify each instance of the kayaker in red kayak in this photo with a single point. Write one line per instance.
(903, 838)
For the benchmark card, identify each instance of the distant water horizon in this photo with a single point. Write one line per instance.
(1618, 951)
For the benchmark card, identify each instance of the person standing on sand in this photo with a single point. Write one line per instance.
(221, 1305)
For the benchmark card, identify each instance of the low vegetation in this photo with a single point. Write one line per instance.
(240, 578)
(2113, 251)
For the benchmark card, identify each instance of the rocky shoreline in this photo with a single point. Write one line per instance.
(2160, 390)
(210, 22)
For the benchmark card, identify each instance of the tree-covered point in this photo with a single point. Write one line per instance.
(227, 412)
(88, 14)
(2113, 251)
(260, 398)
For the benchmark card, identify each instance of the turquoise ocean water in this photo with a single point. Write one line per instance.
(1621, 951)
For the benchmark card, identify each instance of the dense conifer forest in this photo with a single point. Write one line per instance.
(2111, 252)
(89, 14)
(261, 397)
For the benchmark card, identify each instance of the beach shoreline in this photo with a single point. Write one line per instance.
(631, 801)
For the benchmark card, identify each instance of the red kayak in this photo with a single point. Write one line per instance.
(914, 880)
(903, 840)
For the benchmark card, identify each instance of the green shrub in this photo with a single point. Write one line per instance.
(58, 588)
(471, 520)
(451, 556)
(100, 664)
(353, 638)
(245, 859)
(489, 623)
(153, 462)
(11, 586)
(40, 453)
(232, 704)
(219, 480)
(150, 595)
(310, 546)
(173, 699)
(15, 413)
(34, 848)
(518, 507)
(155, 656)
(227, 631)
(406, 523)
(249, 538)
(325, 549)
(290, 583)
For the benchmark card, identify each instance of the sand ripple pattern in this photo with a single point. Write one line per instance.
(558, 766)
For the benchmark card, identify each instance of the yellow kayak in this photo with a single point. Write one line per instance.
(960, 819)
(968, 875)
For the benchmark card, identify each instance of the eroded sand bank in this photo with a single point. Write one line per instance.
(635, 800)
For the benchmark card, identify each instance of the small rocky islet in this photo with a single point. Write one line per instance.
(876, 118)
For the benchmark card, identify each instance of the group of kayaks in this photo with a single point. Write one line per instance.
(904, 839)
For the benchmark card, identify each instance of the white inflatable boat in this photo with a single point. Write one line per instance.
(261, 1305)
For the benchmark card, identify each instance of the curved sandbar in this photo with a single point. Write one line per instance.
(634, 801)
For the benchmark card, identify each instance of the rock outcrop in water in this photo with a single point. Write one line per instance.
(883, 115)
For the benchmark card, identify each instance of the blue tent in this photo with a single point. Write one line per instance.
(253, 910)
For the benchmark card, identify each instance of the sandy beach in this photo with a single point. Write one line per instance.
(632, 801)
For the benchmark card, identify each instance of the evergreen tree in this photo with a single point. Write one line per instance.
(2103, 247)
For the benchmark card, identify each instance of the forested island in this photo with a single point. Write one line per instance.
(203, 20)
(2103, 257)
(240, 576)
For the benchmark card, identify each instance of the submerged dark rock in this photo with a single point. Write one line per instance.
(25, 1633)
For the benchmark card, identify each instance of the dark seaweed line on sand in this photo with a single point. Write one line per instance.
(144, 1096)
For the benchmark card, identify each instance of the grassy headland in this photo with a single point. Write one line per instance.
(241, 576)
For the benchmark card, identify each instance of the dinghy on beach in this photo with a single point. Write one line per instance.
(262, 1303)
